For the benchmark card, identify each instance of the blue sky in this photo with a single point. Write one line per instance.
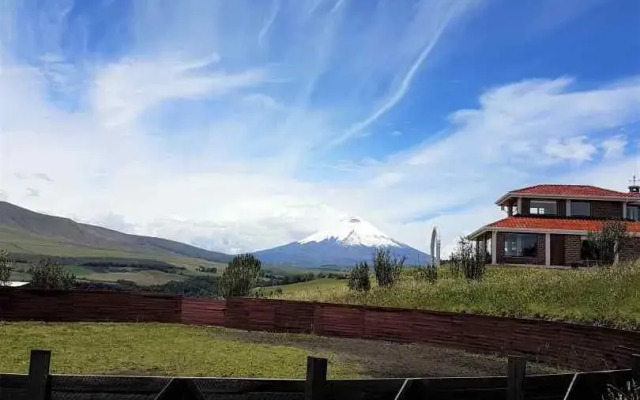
(240, 125)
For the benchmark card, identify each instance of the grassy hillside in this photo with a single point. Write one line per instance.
(309, 286)
(608, 297)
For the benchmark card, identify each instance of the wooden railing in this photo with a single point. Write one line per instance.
(39, 384)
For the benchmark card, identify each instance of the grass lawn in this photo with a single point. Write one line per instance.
(608, 297)
(177, 350)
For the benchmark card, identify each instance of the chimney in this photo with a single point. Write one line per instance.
(635, 185)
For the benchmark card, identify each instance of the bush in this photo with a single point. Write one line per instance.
(630, 392)
(241, 275)
(5, 270)
(468, 260)
(359, 278)
(49, 274)
(604, 245)
(428, 273)
(387, 268)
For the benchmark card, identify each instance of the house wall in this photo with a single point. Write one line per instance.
(537, 260)
(572, 246)
(606, 209)
(630, 250)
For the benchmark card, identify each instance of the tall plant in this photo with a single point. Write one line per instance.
(386, 267)
(468, 260)
(604, 245)
(5, 268)
(359, 280)
(241, 275)
(49, 274)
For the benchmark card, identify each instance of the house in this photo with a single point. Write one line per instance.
(547, 224)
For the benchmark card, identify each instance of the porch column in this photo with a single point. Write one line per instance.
(494, 247)
(624, 210)
(520, 206)
(547, 249)
(568, 213)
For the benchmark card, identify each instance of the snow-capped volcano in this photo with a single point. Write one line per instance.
(349, 241)
(353, 231)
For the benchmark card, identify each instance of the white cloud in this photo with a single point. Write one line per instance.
(614, 146)
(574, 149)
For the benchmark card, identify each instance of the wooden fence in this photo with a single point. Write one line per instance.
(516, 385)
(575, 346)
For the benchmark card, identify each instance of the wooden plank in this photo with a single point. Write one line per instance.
(316, 378)
(517, 367)
(38, 385)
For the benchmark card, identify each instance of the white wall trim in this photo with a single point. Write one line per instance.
(494, 247)
(520, 206)
(624, 210)
(568, 209)
(547, 249)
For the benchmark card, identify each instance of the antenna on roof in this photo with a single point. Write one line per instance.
(635, 184)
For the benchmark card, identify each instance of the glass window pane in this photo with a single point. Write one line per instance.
(543, 207)
(520, 245)
(580, 208)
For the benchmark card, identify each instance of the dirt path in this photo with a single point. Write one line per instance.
(388, 359)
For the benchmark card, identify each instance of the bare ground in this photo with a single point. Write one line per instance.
(380, 359)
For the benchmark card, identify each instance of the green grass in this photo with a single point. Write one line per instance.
(313, 285)
(153, 349)
(609, 297)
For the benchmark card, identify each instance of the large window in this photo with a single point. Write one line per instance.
(633, 212)
(580, 209)
(520, 245)
(543, 207)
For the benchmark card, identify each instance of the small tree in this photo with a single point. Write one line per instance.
(468, 260)
(5, 268)
(359, 278)
(240, 275)
(387, 268)
(604, 245)
(49, 274)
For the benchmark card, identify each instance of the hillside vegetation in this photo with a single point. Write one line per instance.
(600, 296)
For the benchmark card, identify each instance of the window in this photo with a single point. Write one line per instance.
(580, 209)
(633, 212)
(540, 207)
(520, 245)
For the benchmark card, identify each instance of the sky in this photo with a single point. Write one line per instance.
(242, 125)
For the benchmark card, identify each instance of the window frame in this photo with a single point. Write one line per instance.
(521, 254)
(573, 214)
(554, 202)
(637, 212)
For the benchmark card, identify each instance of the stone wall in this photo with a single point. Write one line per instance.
(572, 246)
(606, 209)
(630, 250)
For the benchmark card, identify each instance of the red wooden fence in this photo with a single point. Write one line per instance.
(570, 345)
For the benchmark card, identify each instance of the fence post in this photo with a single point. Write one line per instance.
(635, 368)
(517, 368)
(38, 386)
(316, 378)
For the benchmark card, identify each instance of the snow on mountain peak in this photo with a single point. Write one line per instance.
(353, 231)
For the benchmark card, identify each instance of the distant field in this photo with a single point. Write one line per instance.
(608, 297)
(313, 285)
(177, 350)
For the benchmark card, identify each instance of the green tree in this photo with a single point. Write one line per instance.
(240, 275)
(387, 268)
(359, 278)
(468, 260)
(49, 274)
(604, 245)
(5, 268)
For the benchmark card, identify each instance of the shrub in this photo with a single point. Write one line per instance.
(468, 260)
(630, 392)
(241, 275)
(387, 268)
(5, 270)
(49, 274)
(604, 245)
(428, 273)
(359, 278)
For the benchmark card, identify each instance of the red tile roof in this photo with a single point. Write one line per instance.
(570, 190)
(559, 224)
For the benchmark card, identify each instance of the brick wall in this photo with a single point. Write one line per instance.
(570, 345)
(630, 250)
(537, 260)
(606, 209)
(572, 247)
